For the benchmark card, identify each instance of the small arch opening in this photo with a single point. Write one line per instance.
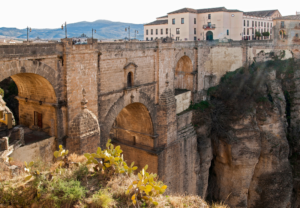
(129, 79)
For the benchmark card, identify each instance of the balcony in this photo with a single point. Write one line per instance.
(208, 27)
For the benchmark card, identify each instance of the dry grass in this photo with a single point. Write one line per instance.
(77, 158)
(102, 191)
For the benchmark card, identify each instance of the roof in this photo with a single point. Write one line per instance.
(216, 9)
(162, 17)
(264, 13)
(184, 10)
(158, 22)
(289, 17)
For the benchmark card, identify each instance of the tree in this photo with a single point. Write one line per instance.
(257, 34)
(266, 34)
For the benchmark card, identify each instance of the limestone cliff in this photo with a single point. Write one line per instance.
(253, 123)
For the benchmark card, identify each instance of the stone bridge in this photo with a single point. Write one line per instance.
(130, 96)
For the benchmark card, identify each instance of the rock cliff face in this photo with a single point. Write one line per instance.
(253, 126)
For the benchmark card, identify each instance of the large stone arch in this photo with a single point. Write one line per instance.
(38, 96)
(117, 107)
(15, 67)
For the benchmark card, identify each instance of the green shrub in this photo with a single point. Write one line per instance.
(199, 106)
(62, 192)
(266, 34)
(2, 92)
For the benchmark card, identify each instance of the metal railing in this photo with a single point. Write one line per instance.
(212, 26)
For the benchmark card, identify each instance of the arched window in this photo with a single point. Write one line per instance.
(129, 79)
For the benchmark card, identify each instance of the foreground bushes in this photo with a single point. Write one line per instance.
(101, 179)
(77, 181)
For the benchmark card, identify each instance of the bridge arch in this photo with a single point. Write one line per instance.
(131, 126)
(38, 93)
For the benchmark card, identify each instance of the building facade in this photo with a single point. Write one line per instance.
(259, 21)
(208, 24)
(287, 29)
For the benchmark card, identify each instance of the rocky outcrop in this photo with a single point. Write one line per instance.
(254, 136)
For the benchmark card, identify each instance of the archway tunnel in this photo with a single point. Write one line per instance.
(133, 130)
(36, 99)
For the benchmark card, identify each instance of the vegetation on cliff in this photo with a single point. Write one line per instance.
(101, 179)
(241, 91)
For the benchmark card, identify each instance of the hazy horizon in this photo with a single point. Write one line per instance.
(35, 14)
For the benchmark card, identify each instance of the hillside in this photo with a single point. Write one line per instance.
(105, 30)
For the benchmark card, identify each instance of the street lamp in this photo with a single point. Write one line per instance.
(28, 28)
(135, 33)
(93, 31)
(62, 27)
(128, 29)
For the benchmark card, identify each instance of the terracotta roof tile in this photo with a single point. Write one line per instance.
(158, 22)
(184, 10)
(264, 13)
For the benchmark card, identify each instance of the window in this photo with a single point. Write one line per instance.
(247, 23)
(244, 31)
(182, 20)
(151, 38)
(255, 23)
(227, 32)
(173, 21)
(271, 24)
(264, 24)
(282, 24)
(268, 25)
(252, 23)
(252, 31)
(177, 30)
(209, 16)
(258, 24)
(151, 31)
(244, 22)
(195, 31)
(167, 31)
(194, 20)
(129, 79)
(156, 31)
(247, 31)
(271, 31)
(209, 24)
(177, 38)
(297, 36)
(146, 32)
(161, 31)
(147, 39)
(195, 38)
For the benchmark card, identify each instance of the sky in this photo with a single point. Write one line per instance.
(51, 14)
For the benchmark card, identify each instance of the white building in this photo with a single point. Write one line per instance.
(207, 24)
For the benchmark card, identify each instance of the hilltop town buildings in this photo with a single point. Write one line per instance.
(214, 23)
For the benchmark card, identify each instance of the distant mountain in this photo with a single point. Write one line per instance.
(104, 30)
